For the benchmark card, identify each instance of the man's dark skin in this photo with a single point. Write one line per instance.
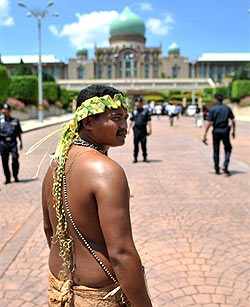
(98, 195)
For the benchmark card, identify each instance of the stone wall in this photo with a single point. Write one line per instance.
(31, 112)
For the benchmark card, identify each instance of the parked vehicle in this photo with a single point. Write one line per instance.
(191, 110)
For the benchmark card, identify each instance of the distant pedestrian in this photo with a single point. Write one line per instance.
(10, 130)
(218, 117)
(197, 117)
(141, 121)
(178, 110)
(172, 112)
(158, 110)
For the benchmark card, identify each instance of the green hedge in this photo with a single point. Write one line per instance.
(207, 99)
(223, 90)
(4, 84)
(64, 97)
(50, 91)
(240, 89)
(174, 92)
(208, 91)
(24, 88)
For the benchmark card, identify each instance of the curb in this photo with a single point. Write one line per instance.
(40, 126)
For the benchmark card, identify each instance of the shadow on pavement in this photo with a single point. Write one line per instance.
(27, 180)
(235, 173)
(155, 161)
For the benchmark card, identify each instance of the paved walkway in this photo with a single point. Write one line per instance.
(191, 227)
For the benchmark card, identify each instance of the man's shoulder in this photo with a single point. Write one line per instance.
(15, 120)
(97, 164)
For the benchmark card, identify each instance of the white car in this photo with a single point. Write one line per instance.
(191, 110)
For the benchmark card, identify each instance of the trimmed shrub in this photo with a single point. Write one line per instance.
(73, 94)
(50, 91)
(240, 89)
(174, 92)
(208, 91)
(207, 99)
(4, 84)
(223, 90)
(64, 97)
(24, 88)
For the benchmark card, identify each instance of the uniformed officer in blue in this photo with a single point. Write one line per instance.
(141, 118)
(10, 130)
(219, 116)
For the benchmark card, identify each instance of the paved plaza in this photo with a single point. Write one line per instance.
(191, 227)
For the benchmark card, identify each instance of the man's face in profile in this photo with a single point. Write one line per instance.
(110, 129)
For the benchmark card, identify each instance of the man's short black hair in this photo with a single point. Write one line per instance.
(96, 90)
(6, 106)
(218, 97)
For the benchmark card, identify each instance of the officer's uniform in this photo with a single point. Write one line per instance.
(9, 131)
(140, 117)
(219, 116)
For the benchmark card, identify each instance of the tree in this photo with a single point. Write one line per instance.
(22, 69)
(4, 84)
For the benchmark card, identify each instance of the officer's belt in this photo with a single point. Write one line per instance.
(7, 138)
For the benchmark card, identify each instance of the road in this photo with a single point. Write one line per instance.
(191, 227)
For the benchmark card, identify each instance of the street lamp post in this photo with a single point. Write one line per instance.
(193, 81)
(39, 14)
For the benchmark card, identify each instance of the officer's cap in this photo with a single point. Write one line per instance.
(6, 106)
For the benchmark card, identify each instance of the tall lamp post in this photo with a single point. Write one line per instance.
(193, 80)
(39, 13)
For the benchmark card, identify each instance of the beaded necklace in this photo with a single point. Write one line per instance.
(89, 144)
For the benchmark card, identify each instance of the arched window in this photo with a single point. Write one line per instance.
(175, 71)
(81, 73)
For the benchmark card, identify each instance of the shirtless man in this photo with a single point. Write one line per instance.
(98, 198)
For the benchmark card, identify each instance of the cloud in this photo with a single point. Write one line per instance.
(89, 29)
(53, 29)
(161, 26)
(5, 19)
(145, 6)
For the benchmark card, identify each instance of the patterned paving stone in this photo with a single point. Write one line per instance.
(191, 227)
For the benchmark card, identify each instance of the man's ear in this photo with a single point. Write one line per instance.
(87, 123)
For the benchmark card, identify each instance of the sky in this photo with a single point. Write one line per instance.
(197, 26)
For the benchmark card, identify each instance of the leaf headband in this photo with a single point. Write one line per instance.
(92, 106)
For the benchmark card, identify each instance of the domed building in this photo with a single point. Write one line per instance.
(129, 59)
(127, 56)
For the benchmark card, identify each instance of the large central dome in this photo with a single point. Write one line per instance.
(127, 23)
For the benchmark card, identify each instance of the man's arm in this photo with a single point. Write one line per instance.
(234, 126)
(46, 221)
(112, 196)
(21, 142)
(130, 125)
(149, 127)
(209, 124)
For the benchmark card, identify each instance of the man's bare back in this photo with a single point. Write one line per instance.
(86, 214)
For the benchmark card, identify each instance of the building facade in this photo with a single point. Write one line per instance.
(128, 58)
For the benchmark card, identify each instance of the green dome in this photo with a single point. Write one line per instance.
(174, 48)
(127, 23)
(82, 51)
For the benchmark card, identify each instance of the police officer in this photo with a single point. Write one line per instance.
(10, 129)
(218, 117)
(141, 118)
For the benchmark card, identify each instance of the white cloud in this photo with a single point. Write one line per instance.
(145, 6)
(5, 19)
(161, 26)
(53, 29)
(89, 29)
